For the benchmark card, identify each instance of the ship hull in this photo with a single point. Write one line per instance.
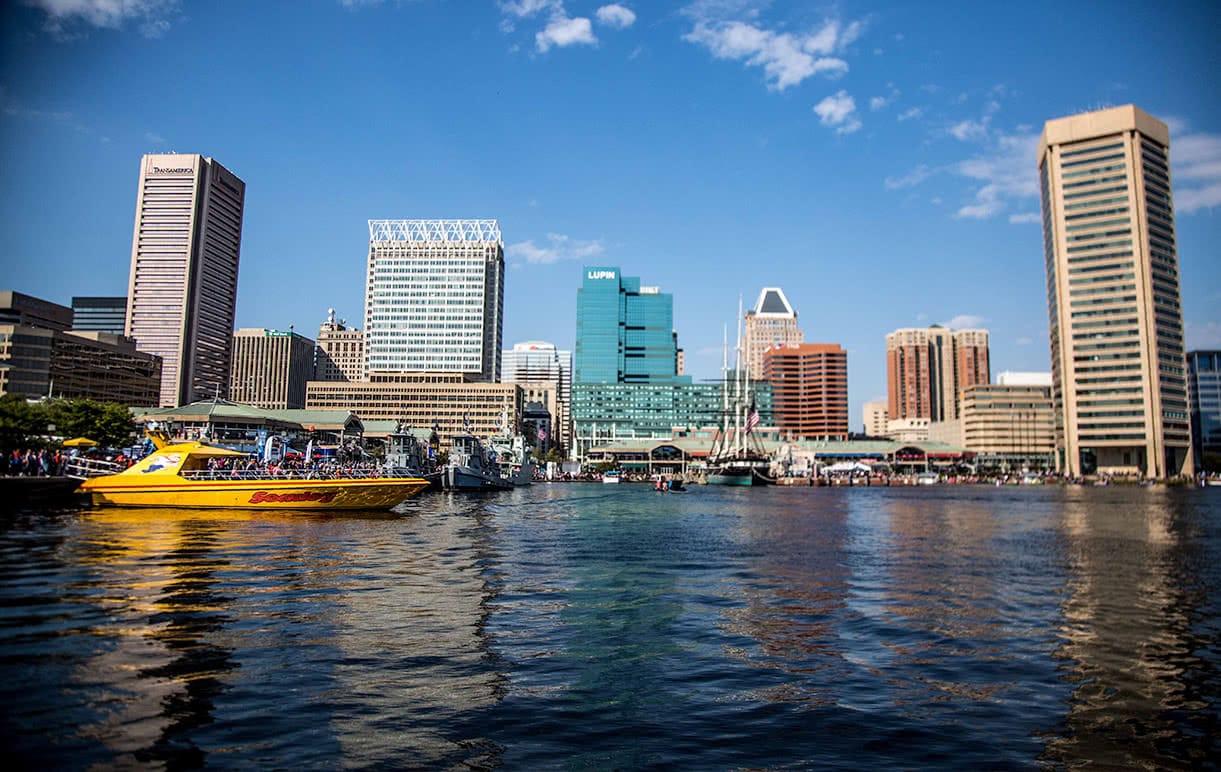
(314, 495)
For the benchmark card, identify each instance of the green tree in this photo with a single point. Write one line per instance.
(22, 423)
(106, 423)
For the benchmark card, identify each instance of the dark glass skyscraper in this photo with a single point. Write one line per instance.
(1204, 390)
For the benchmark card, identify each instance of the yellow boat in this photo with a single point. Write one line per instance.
(177, 475)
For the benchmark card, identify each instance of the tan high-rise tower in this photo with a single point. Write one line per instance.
(1117, 360)
(184, 256)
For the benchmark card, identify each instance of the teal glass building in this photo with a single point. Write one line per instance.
(625, 383)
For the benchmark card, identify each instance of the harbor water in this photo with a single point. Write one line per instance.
(590, 626)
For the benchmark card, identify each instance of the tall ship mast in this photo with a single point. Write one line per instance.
(737, 458)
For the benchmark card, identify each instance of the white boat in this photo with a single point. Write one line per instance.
(611, 477)
(927, 478)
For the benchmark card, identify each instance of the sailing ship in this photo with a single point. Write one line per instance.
(737, 456)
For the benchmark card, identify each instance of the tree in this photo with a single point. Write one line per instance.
(22, 423)
(106, 423)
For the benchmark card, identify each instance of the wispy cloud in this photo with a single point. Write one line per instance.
(1025, 218)
(66, 17)
(616, 15)
(558, 247)
(1007, 173)
(1024, 341)
(1195, 161)
(881, 102)
(965, 322)
(911, 179)
(787, 58)
(965, 131)
(911, 113)
(839, 112)
(153, 138)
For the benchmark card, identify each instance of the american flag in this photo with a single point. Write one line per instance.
(542, 434)
(752, 420)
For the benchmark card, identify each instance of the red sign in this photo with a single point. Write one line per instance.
(264, 497)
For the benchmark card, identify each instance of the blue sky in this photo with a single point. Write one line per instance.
(876, 160)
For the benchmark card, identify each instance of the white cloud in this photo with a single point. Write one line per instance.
(969, 130)
(921, 317)
(562, 31)
(1195, 161)
(615, 15)
(1198, 335)
(558, 247)
(839, 112)
(910, 113)
(1024, 341)
(1007, 172)
(787, 59)
(911, 179)
(64, 15)
(1023, 218)
(965, 322)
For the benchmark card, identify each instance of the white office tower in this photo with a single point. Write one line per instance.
(434, 297)
(184, 257)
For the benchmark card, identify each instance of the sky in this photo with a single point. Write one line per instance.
(875, 160)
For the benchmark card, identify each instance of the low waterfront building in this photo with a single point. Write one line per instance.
(271, 368)
(450, 402)
(37, 362)
(21, 309)
(1204, 392)
(1007, 427)
(244, 427)
(607, 412)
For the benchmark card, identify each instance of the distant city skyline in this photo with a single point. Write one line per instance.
(875, 160)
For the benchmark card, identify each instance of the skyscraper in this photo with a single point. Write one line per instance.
(1204, 390)
(1117, 359)
(927, 370)
(434, 297)
(184, 258)
(772, 322)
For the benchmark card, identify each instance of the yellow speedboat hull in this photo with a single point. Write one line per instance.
(375, 493)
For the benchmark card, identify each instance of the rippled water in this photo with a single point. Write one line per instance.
(584, 626)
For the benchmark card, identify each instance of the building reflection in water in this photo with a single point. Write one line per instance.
(1138, 640)
(795, 600)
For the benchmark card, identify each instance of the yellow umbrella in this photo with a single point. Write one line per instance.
(79, 442)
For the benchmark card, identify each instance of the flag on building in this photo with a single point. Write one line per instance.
(542, 434)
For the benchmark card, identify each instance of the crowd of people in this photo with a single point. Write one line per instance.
(299, 467)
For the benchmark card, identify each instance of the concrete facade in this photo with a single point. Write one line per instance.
(809, 389)
(340, 355)
(449, 401)
(182, 293)
(271, 368)
(1118, 365)
(874, 416)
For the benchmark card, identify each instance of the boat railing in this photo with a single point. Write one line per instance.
(82, 468)
(295, 474)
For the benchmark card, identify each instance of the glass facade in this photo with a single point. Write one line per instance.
(1204, 385)
(100, 314)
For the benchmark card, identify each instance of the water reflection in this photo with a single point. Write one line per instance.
(1135, 626)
